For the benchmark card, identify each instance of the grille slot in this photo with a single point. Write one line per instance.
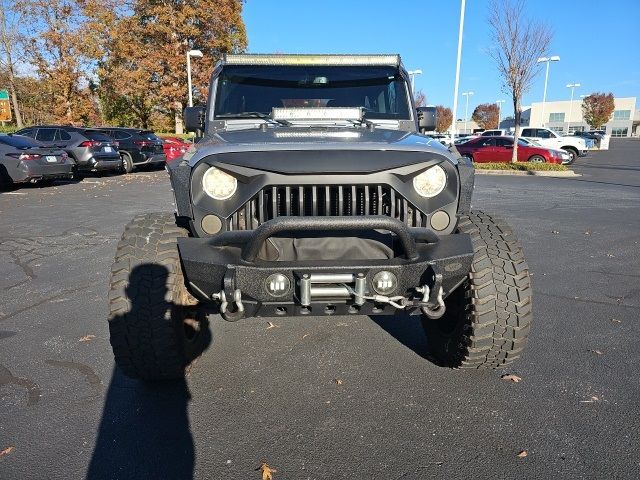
(324, 200)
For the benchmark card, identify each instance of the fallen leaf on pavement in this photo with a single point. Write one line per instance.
(522, 454)
(305, 335)
(511, 378)
(593, 399)
(338, 381)
(615, 320)
(266, 471)
(588, 232)
(271, 325)
(87, 338)
(555, 232)
(597, 352)
(6, 451)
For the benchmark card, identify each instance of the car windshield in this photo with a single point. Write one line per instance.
(246, 90)
(19, 141)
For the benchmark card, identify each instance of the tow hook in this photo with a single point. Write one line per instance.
(433, 304)
(230, 315)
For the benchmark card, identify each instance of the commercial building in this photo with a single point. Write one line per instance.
(565, 116)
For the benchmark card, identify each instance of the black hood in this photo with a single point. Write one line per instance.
(318, 150)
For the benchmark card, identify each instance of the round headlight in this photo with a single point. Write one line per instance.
(218, 184)
(430, 182)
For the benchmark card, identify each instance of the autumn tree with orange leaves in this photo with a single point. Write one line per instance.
(486, 115)
(444, 118)
(143, 69)
(61, 50)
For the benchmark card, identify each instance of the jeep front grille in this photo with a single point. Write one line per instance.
(313, 200)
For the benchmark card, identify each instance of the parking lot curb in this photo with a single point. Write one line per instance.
(542, 173)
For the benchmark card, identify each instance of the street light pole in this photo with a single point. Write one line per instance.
(571, 86)
(457, 82)
(499, 102)
(412, 76)
(191, 53)
(466, 109)
(554, 58)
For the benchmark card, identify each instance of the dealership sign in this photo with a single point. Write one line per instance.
(5, 106)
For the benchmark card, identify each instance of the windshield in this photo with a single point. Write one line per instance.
(381, 91)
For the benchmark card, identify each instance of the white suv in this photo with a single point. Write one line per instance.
(574, 146)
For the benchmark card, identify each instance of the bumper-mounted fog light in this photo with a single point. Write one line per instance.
(384, 282)
(277, 285)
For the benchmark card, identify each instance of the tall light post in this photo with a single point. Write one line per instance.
(412, 76)
(191, 53)
(457, 82)
(547, 60)
(571, 86)
(466, 109)
(499, 103)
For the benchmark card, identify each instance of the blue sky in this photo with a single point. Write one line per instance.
(598, 43)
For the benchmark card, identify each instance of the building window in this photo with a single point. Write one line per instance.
(559, 130)
(556, 117)
(576, 129)
(622, 114)
(619, 132)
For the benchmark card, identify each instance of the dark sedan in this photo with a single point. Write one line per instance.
(500, 149)
(24, 160)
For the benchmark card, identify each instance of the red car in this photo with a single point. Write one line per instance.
(499, 149)
(174, 148)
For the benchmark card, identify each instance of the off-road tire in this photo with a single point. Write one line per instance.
(488, 317)
(155, 326)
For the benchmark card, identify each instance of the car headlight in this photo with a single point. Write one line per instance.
(430, 182)
(218, 184)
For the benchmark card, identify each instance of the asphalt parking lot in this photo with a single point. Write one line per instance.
(331, 397)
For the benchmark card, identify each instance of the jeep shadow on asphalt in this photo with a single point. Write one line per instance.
(144, 431)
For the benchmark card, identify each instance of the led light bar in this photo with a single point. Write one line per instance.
(302, 59)
(325, 113)
(306, 134)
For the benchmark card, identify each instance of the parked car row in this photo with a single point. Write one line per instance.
(500, 149)
(47, 152)
(573, 146)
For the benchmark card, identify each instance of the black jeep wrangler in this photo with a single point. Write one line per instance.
(311, 193)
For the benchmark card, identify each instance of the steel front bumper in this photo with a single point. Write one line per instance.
(228, 266)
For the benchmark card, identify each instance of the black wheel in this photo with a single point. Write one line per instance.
(537, 159)
(488, 318)
(127, 162)
(156, 327)
(573, 154)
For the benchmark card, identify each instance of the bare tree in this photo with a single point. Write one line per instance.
(420, 99)
(518, 43)
(8, 37)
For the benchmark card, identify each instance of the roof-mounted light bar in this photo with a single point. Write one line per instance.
(301, 59)
(313, 113)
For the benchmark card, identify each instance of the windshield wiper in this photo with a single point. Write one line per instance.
(261, 115)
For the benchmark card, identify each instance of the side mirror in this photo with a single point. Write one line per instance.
(194, 119)
(427, 119)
